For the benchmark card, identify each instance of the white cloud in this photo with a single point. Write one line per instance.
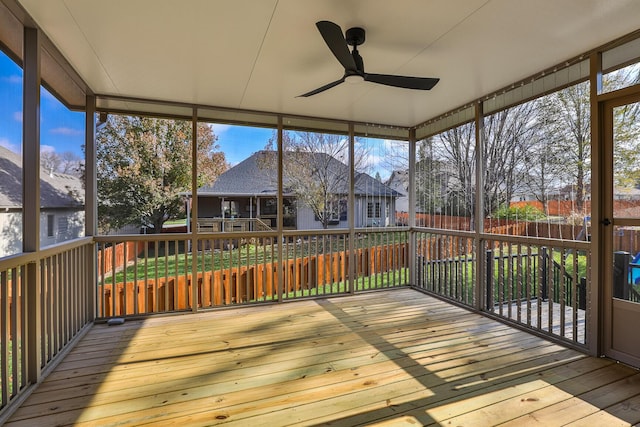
(13, 79)
(219, 129)
(47, 148)
(66, 131)
(17, 116)
(4, 142)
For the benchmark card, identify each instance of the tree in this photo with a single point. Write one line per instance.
(144, 167)
(566, 117)
(451, 161)
(455, 150)
(626, 152)
(542, 169)
(508, 135)
(50, 161)
(315, 171)
(431, 180)
(70, 163)
(67, 162)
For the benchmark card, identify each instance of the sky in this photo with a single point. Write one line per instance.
(240, 142)
(60, 129)
(63, 130)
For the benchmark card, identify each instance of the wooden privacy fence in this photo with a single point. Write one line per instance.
(444, 246)
(246, 283)
(117, 256)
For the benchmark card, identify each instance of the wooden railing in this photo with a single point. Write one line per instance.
(46, 300)
(213, 225)
(541, 284)
(239, 269)
(117, 256)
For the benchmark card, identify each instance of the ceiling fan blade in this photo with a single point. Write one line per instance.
(322, 89)
(333, 37)
(421, 83)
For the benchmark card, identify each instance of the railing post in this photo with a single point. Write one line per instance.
(419, 262)
(543, 274)
(489, 278)
(582, 294)
(621, 262)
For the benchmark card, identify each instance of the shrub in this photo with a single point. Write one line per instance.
(521, 213)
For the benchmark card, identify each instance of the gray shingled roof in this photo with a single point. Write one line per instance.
(56, 189)
(249, 177)
(254, 176)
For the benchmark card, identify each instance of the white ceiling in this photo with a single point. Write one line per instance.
(260, 54)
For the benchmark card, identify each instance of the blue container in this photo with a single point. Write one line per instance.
(635, 269)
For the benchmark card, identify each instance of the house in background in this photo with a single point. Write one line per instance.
(441, 181)
(399, 181)
(61, 203)
(245, 196)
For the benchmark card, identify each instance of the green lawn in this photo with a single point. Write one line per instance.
(394, 278)
(513, 276)
(170, 259)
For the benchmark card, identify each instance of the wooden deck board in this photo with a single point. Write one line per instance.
(389, 358)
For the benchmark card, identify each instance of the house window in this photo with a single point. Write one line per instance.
(336, 211)
(63, 226)
(50, 224)
(230, 208)
(373, 210)
(268, 206)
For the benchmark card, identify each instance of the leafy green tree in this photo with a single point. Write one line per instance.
(144, 168)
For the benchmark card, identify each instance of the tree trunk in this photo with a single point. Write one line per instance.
(157, 226)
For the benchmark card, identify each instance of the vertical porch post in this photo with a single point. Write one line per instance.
(351, 210)
(194, 211)
(413, 279)
(481, 282)
(31, 196)
(90, 202)
(595, 332)
(279, 211)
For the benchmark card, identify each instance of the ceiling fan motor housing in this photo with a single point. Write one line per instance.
(354, 36)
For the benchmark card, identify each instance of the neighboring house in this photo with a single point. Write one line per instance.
(565, 192)
(399, 181)
(61, 205)
(442, 181)
(249, 189)
(626, 193)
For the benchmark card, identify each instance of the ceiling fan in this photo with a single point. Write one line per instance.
(353, 64)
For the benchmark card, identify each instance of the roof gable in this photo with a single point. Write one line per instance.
(57, 190)
(258, 175)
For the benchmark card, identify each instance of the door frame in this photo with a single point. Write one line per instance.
(608, 221)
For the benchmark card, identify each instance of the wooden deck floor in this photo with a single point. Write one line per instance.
(389, 358)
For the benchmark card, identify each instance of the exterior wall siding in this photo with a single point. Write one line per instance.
(67, 225)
